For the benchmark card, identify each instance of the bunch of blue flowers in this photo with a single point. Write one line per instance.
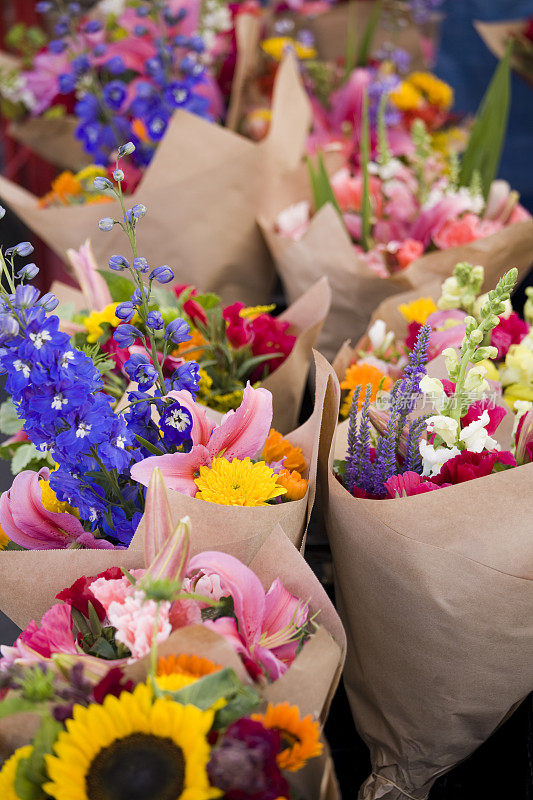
(120, 99)
(57, 389)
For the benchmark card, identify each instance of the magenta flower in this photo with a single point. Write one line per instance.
(54, 635)
(242, 433)
(511, 330)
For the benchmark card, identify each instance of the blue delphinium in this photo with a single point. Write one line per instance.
(106, 106)
(369, 474)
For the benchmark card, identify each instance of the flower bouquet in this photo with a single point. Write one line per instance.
(450, 592)
(213, 164)
(397, 223)
(232, 344)
(185, 639)
(96, 459)
(517, 34)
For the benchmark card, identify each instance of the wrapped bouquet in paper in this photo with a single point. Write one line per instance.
(516, 34)
(427, 520)
(398, 224)
(213, 164)
(208, 647)
(232, 344)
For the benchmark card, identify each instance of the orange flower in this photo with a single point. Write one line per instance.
(301, 737)
(66, 185)
(139, 129)
(293, 482)
(277, 448)
(196, 341)
(193, 666)
(361, 375)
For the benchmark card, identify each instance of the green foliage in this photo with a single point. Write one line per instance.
(120, 288)
(31, 771)
(9, 421)
(321, 186)
(487, 136)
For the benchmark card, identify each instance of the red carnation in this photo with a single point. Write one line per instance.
(238, 330)
(467, 465)
(79, 595)
(194, 310)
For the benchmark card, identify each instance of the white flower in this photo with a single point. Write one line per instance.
(390, 169)
(445, 427)
(475, 383)
(434, 391)
(434, 457)
(293, 221)
(380, 338)
(476, 437)
(115, 7)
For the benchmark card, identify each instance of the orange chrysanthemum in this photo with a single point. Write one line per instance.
(301, 736)
(362, 375)
(194, 344)
(293, 482)
(66, 185)
(277, 448)
(184, 664)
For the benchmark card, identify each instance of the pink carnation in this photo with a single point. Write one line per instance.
(409, 484)
(135, 618)
(511, 330)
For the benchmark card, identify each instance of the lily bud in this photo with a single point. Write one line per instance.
(172, 561)
(157, 517)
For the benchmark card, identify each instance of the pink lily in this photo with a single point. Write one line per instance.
(266, 630)
(431, 220)
(35, 643)
(241, 433)
(166, 546)
(524, 439)
(92, 284)
(29, 524)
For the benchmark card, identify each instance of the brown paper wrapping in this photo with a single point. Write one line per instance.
(436, 595)
(53, 140)
(330, 30)
(287, 383)
(248, 36)
(497, 34)
(326, 249)
(202, 178)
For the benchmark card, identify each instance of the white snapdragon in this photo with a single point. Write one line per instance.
(433, 458)
(475, 384)
(445, 427)
(433, 390)
(476, 437)
(380, 338)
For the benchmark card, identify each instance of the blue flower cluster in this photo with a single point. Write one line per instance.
(369, 470)
(119, 102)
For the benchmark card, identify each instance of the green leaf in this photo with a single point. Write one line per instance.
(15, 704)
(241, 704)
(120, 288)
(66, 311)
(206, 691)
(367, 39)
(149, 446)
(321, 186)
(31, 771)
(25, 455)
(9, 421)
(207, 300)
(247, 366)
(366, 205)
(487, 136)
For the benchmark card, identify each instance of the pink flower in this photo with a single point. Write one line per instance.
(524, 438)
(29, 524)
(408, 252)
(43, 80)
(511, 330)
(238, 329)
(241, 433)
(409, 484)
(466, 229)
(432, 220)
(348, 190)
(91, 283)
(270, 336)
(266, 624)
(496, 414)
(135, 621)
(54, 635)
(293, 221)
(467, 465)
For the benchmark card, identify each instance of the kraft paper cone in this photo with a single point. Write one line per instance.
(202, 177)
(287, 383)
(326, 249)
(53, 140)
(436, 594)
(248, 36)
(497, 34)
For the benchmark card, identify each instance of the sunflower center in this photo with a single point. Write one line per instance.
(137, 767)
(289, 739)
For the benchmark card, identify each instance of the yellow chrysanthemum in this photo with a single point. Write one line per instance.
(255, 311)
(51, 503)
(277, 448)
(184, 664)
(362, 375)
(224, 402)
(419, 310)
(9, 771)
(301, 736)
(406, 97)
(238, 483)
(437, 92)
(94, 322)
(157, 746)
(276, 46)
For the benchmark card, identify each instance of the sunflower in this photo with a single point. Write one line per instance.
(132, 747)
(293, 482)
(238, 483)
(419, 310)
(8, 773)
(301, 736)
(362, 375)
(277, 449)
(184, 664)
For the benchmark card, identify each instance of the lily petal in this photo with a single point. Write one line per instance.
(244, 432)
(178, 469)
